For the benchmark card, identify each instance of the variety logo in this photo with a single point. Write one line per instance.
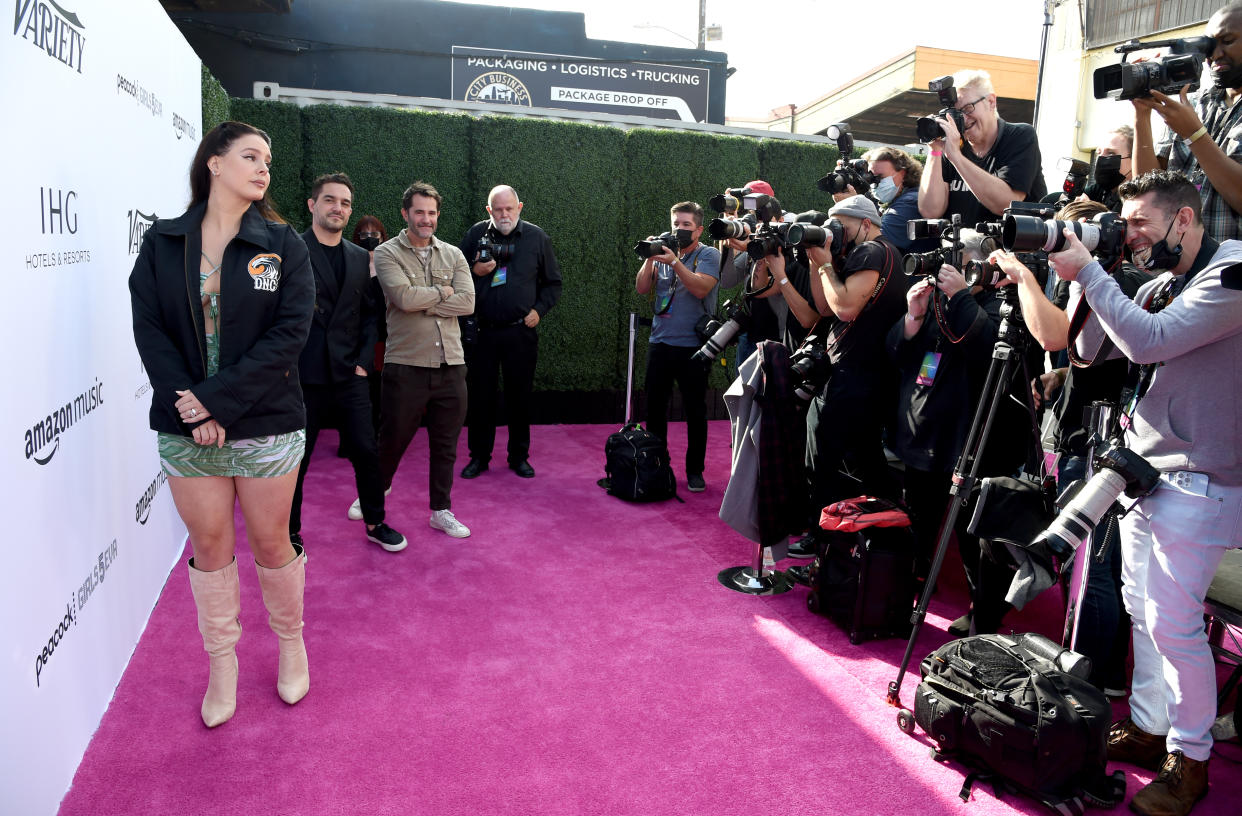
(139, 223)
(44, 436)
(47, 26)
(265, 271)
(56, 214)
(141, 95)
(77, 601)
(142, 510)
(183, 128)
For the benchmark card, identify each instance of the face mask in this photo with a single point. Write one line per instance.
(1160, 256)
(368, 242)
(1229, 79)
(1107, 172)
(885, 191)
(685, 238)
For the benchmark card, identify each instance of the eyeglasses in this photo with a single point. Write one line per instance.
(369, 235)
(969, 108)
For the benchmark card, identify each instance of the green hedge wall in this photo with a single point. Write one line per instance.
(215, 101)
(596, 190)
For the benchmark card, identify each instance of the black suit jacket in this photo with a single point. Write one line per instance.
(343, 332)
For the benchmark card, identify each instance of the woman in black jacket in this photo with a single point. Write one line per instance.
(222, 300)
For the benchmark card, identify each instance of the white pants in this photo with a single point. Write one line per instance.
(1171, 544)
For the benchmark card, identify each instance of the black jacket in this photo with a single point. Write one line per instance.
(533, 277)
(266, 296)
(343, 332)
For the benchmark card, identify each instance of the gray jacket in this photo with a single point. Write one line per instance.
(1191, 416)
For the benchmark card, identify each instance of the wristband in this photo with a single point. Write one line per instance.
(782, 281)
(936, 152)
(1198, 134)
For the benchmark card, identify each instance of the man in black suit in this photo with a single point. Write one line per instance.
(339, 353)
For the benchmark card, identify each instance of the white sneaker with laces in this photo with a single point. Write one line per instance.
(446, 521)
(355, 509)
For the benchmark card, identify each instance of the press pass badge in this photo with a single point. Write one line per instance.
(502, 275)
(927, 371)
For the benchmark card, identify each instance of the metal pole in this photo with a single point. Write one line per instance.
(1043, 53)
(702, 25)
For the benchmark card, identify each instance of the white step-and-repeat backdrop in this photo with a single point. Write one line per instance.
(102, 102)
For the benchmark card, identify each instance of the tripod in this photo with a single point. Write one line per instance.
(1008, 352)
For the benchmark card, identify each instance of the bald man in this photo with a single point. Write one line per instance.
(517, 281)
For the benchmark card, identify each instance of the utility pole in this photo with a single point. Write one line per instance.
(702, 25)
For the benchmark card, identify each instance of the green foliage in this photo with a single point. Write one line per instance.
(215, 101)
(595, 190)
(283, 124)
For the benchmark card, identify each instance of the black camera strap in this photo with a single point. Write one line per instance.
(1141, 376)
(1081, 312)
(892, 261)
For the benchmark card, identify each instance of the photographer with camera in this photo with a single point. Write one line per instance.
(980, 163)
(859, 290)
(683, 280)
(517, 281)
(1113, 165)
(942, 349)
(897, 192)
(1213, 163)
(1183, 332)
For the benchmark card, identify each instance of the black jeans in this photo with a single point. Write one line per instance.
(509, 352)
(844, 447)
(349, 404)
(666, 365)
(413, 396)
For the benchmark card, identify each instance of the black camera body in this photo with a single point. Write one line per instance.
(729, 200)
(1104, 236)
(928, 128)
(927, 264)
(490, 249)
(765, 207)
(656, 246)
(1133, 80)
(987, 274)
(851, 173)
(768, 240)
(810, 367)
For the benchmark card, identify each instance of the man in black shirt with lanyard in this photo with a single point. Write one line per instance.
(514, 288)
(978, 172)
(860, 291)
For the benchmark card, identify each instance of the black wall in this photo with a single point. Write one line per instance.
(401, 47)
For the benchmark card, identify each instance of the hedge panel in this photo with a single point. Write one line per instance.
(283, 124)
(215, 101)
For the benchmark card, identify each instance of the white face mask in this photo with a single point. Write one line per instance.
(885, 191)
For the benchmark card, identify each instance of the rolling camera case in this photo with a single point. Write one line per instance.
(864, 581)
(636, 461)
(1014, 718)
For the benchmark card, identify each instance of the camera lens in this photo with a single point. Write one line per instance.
(807, 235)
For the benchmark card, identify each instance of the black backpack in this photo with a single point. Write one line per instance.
(1013, 716)
(637, 465)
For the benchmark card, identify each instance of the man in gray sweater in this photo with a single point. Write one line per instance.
(1183, 334)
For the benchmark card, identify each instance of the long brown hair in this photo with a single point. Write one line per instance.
(217, 142)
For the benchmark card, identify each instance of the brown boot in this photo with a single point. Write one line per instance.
(1129, 743)
(218, 598)
(282, 595)
(1182, 782)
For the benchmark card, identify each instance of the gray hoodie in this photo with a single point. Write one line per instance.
(1191, 416)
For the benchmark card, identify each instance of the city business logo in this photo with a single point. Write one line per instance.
(498, 87)
(51, 29)
(139, 223)
(43, 438)
(142, 510)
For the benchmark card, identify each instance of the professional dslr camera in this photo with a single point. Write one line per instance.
(929, 128)
(811, 228)
(491, 250)
(852, 172)
(1104, 236)
(720, 331)
(722, 228)
(729, 200)
(656, 246)
(1133, 80)
(1118, 470)
(927, 264)
(810, 367)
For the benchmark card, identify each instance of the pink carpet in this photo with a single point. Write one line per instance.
(575, 655)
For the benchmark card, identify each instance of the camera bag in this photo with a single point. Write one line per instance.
(637, 464)
(863, 579)
(1016, 720)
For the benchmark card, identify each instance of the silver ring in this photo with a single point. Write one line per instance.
(193, 412)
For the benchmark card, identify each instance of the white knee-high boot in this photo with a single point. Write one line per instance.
(218, 598)
(282, 595)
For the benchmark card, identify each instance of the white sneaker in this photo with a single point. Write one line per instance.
(444, 520)
(355, 509)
